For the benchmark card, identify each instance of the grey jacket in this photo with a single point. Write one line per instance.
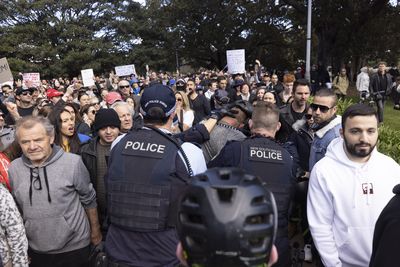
(53, 205)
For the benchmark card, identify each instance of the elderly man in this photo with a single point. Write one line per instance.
(125, 113)
(53, 191)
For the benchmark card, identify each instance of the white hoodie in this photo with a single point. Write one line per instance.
(344, 201)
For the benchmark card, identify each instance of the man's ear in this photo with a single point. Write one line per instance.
(52, 139)
(250, 123)
(341, 132)
(278, 126)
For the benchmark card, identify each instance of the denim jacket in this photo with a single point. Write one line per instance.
(322, 138)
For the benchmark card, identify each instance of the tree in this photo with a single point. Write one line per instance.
(61, 37)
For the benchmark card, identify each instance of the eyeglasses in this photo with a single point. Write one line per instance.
(322, 108)
(308, 116)
(123, 86)
(26, 93)
(179, 99)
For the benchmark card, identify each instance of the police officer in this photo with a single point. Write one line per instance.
(148, 168)
(262, 156)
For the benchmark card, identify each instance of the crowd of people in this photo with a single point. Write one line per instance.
(103, 175)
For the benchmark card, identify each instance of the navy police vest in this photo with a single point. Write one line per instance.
(142, 183)
(271, 162)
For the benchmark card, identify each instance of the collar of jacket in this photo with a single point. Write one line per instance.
(321, 132)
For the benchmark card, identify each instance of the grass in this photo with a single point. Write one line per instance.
(391, 117)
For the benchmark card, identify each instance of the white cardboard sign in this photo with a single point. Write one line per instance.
(87, 77)
(236, 61)
(5, 71)
(125, 70)
(31, 79)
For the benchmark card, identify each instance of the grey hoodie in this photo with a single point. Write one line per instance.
(53, 205)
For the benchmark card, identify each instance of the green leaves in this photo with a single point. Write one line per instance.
(389, 142)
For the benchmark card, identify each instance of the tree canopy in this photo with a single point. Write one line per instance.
(63, 37)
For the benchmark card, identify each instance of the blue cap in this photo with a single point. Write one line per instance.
(157, 95)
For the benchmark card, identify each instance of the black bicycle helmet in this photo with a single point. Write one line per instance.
(226, 218)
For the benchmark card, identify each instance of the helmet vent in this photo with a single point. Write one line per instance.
(225, 176)
(191, 218)
(256, 241)
(258, 201)
(225, 195)
(256, 219)
(194, 218)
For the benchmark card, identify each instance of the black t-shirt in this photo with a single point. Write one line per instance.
(297, 115)
(22, 112)
(382, 82)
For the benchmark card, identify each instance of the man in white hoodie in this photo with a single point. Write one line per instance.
(348, 189)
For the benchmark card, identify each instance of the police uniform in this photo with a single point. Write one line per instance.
(265, 158)
(143, 182)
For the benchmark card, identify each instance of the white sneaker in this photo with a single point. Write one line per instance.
(307, 253)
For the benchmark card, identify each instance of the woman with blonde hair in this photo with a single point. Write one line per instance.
(184, 113)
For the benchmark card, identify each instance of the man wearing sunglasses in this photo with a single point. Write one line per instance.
(124, 89)
(326, 123)
(24, 105)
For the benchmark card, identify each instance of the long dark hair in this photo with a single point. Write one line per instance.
(73, 141)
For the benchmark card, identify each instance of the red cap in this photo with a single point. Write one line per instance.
(113, 97)
(53, 92)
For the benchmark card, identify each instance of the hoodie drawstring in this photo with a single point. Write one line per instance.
(30, 187)
(45, 180)
(47, 184)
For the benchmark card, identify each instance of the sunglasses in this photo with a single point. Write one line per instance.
(322, 108)
(179, 99)
(37, 184)
(308, 116)
(123, 86)
(26, 93)
(93, 112)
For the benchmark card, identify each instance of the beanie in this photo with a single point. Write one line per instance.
(106, 117)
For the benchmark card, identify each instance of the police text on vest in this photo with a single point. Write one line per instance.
(143, 146)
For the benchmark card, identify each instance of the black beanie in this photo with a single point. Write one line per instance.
(106, 117)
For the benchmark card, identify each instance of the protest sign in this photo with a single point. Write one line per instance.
(31, 79)
(87, 77)
(236, 61)
(5, 71)
(125, 70)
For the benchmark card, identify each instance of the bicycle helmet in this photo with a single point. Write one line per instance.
(226, 218)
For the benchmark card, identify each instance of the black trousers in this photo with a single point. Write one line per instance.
(75, 258)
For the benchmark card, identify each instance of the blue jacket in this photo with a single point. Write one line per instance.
(322, 139)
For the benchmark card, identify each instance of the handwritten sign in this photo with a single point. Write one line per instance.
(87, 77)
(31, 79)
(5, 72)
(236, 61)
(125, 70)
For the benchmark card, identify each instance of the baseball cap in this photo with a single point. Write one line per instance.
(113, 97)
(157, 95)
(53, 93)
(20, 90)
